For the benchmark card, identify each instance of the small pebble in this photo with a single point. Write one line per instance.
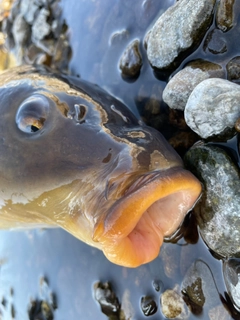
(107, 299)
(173, 306)
(131, 60)
(148, 306)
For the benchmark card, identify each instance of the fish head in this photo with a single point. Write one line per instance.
(73, 156)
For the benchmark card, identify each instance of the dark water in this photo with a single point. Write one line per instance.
(50, 265)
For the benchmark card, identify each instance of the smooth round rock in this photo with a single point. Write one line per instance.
(213, 107)
(218, 211)
(179, 28)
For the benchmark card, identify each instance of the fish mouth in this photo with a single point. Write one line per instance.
(132, 232)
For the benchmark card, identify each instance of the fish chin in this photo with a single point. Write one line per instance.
(133, 231)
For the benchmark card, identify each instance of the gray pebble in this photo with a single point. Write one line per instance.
(41, 28)
(218, 212)
(131, 60)
(213, 107)
(178, 29)
(231, 272)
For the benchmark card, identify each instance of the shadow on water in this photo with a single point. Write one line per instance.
(48, 274)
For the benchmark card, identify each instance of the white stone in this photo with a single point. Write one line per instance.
(213, 106)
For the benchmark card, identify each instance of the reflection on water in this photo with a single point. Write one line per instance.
(48, 273)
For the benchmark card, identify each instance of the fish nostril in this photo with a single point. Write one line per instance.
(80, 112)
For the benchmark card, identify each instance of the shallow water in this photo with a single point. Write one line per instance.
(41, 264)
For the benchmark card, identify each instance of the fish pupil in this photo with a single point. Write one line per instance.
(34, 128)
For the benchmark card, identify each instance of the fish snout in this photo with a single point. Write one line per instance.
(133, 231)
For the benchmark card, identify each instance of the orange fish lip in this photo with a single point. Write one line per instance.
(153, 207)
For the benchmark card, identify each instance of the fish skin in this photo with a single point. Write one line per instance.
(88, 153)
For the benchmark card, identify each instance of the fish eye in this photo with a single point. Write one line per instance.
(32, 113)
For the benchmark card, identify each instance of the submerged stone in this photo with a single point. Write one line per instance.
(131, 60)
(198, 287)
(225, 15)
(107, 299)
(213, 107)
(233, 69)
(148, 306)
(218, 211)
(215, 43)
(179, 28)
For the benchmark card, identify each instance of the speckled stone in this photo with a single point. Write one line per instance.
(178, 29)
(173, 306)
(213, 107)
(218, 211)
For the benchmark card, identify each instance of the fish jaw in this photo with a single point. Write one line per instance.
(133, 231)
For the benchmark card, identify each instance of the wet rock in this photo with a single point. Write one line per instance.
(198, 287)
(213, 107)
(107, 299)
(233, 69)
(215, 43)
(193, 292)
(231, 272)
(36, 33)
(131, 60)
(148, 306)
(179, 28)
(41, 28)
(173, 306)
(225, 15)
(181, 85)
(218, 212)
